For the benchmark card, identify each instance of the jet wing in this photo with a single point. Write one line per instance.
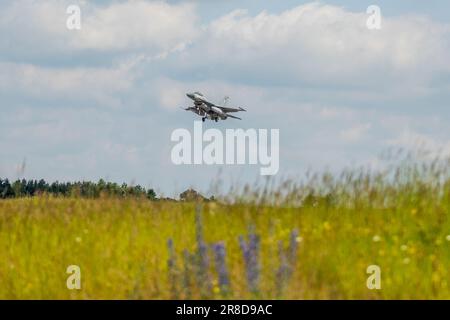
(209, 104)
(224, 109)
(228, 109)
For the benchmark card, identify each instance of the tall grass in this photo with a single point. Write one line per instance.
(299, 240)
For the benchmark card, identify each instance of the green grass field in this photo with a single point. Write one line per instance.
(400, 223)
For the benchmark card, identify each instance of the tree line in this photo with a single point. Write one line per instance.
(29, 188)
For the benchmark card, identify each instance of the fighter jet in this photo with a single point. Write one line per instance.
(209, 110)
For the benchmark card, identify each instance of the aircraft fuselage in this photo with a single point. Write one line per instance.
(209, 110)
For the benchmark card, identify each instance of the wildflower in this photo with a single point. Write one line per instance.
(219, 258)
(376, 238)
(327, 226)
(171, 260)
(293, 245)
(282, 274)
(172, 268)
(447, 237)
(404, 247)
(435, 277)
(287, 261)
(78, 239)
(187, 271)
(412, 250)
(406, 261)
(250, 251)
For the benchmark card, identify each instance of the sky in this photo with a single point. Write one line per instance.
(102, 101)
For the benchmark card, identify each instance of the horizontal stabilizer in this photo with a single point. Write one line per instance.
(229, 115)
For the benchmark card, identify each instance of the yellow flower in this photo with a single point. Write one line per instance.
(412, 250)
(327, 226)
(414, 211)
(435, 277)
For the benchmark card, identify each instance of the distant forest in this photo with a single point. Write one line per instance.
(24, 188)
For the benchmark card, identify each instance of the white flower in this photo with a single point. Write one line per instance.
(376, 238)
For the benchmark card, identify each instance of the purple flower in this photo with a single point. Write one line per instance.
(287, 259)
(282, 274)
(171, 266)
(171, 260)
(250, 250)
(293, 246)
(221, 267)
(187, 272)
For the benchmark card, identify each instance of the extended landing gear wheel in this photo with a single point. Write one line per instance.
(215, 120)
(203, 119)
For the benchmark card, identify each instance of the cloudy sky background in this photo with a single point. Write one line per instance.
(102, 102)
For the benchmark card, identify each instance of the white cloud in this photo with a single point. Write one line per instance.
(154, 26)
(100, 84)
(309, 45)
(37, 29)
(323, 45)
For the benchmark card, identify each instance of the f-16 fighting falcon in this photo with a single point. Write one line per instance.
(209, 110)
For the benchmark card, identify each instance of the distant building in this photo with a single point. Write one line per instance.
(192, 195)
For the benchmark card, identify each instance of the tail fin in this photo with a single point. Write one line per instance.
(225, 100)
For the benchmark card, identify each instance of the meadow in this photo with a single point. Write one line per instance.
(312, 239)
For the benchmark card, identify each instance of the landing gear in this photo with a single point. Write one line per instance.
(215, 119)
(203, 119)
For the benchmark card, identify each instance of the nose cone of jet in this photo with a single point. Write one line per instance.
(190, 95)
